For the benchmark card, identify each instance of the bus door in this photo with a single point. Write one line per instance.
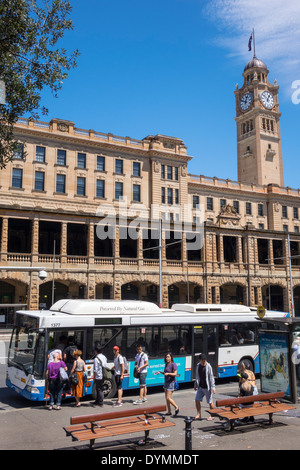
(205, 341)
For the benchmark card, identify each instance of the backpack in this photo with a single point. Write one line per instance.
(126, 365)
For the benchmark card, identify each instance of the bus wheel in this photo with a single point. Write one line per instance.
(109, 388)
(248, 364)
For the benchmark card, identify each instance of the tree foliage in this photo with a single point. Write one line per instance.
(30, 60)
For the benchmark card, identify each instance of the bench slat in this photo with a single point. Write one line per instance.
(251, 411)
(251, 399)
(139, 410)
(112, 431)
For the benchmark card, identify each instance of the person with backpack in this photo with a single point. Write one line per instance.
(119, 368)
(204, 384)
(100, 361)
(69, 359)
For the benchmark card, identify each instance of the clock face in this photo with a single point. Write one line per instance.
(245, 101)
(267, 99)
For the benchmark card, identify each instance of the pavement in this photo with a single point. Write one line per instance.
(26, 426)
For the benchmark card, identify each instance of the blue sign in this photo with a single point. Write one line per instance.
(158, 365)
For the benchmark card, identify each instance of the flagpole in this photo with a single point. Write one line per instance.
(253, 43)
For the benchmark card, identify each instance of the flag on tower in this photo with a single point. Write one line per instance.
(250, 42)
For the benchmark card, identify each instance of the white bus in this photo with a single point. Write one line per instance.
(227, 334)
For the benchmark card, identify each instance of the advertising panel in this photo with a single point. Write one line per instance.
(274, 362)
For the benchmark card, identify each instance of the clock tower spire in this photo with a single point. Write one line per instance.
(258, 127)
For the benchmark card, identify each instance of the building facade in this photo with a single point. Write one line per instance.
(70, 200)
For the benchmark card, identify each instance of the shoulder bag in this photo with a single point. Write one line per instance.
(106, 372)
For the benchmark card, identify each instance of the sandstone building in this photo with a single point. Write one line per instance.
(63, 180)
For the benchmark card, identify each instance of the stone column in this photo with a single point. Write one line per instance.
(4, 239)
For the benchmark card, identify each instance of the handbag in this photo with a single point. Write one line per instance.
(74, 379)
(63, 376)
(136, 374)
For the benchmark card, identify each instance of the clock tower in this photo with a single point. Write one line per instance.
(258, 127)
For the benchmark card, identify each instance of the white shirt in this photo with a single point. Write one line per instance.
(98, 365)
(118, 361)
(140, 360)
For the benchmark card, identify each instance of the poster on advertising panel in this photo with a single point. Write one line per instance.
(274, 362)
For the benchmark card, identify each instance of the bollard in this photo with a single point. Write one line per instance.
(188, 433)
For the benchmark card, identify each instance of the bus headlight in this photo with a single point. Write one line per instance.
(31, 389)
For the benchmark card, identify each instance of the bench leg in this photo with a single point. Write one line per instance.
(92, 443)
(270, 418)
(147, 436)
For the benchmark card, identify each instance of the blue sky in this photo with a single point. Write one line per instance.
(170, 67)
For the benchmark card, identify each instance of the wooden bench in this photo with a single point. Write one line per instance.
(232, 409)
(115, 423)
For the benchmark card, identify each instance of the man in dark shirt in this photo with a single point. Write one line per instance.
(205, 384)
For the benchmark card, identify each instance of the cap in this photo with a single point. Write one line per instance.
(116, 348)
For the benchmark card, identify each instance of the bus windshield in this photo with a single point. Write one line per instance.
(26, 351)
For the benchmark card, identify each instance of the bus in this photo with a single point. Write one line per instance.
(227, 334)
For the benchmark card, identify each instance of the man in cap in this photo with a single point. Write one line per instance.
(204, 384)
(119, 373)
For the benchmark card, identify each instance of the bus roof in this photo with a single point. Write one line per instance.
(105, 307)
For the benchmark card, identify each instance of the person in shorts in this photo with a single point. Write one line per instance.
(118, 367)
(204, 384)
(170, 373)
(141, 364)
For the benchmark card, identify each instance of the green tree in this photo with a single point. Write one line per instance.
(30, 61)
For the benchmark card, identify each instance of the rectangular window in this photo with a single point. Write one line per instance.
(136, 193)
(19, 152)
(284, 211)
(176, 173)
(248, 208)
(209, 203)
(222, 203)
(260, 208)
(163, 195)
(118, 190)
(236, 206)
(136, 169)
(81, 160)
(195, 202)
(100, 188)
(170, 196)
(60, 183)
(286, 228)
(169, 172)
(176, 196)
(39, 181)
(80, 186)
(17, 177)
(100, 163)
(40, 153)
(61, 157)
(296, 213)
(163, 171)
(119, 167)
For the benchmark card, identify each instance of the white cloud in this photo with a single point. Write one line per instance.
(277, 32)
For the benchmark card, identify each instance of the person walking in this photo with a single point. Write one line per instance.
(55, 384)
(170, 373)
(100, 361)
(141, 367)
(204, 384)
(118, 367)
(78, 369)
